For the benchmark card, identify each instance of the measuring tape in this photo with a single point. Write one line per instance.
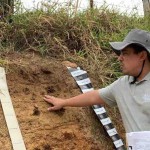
(81, 78)
(9, 113)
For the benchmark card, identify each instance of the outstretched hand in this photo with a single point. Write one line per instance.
(57, 103)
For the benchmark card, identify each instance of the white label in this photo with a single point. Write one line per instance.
(100, 110)
(105, 121)
(139, 140)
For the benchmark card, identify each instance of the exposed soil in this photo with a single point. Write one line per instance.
(29, 78)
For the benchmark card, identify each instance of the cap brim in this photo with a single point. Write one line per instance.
(118, 46)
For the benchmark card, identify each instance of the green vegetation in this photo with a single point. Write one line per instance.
(62, 32)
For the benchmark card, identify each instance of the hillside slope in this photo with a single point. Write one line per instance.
(70, 128)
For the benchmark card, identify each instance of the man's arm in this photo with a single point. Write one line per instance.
(86, 99)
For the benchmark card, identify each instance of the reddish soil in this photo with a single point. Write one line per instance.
(29, 78)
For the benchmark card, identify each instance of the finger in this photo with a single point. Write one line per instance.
(48, 100)
(48, 96)
(52, 109)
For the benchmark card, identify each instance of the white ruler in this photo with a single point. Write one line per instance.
(9, 113)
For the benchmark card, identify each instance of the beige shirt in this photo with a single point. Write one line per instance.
(133, 101)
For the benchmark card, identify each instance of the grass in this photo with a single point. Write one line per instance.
(62, 32)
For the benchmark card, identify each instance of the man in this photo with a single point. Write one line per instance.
(131, 92)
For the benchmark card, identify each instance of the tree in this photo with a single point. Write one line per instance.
(146, 6)
(91, 4)
(6, 7)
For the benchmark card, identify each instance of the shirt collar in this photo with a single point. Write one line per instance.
(147, 77)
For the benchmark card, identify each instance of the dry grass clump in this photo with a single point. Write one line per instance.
(81, 37)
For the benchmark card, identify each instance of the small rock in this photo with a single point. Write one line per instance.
(69, 64)
(36, 111)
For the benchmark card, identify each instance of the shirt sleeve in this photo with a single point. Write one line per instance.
(108, 93)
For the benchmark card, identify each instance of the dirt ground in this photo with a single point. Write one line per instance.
(29, 78)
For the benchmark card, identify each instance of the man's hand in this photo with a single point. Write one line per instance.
(82, 100)
(57, 103)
